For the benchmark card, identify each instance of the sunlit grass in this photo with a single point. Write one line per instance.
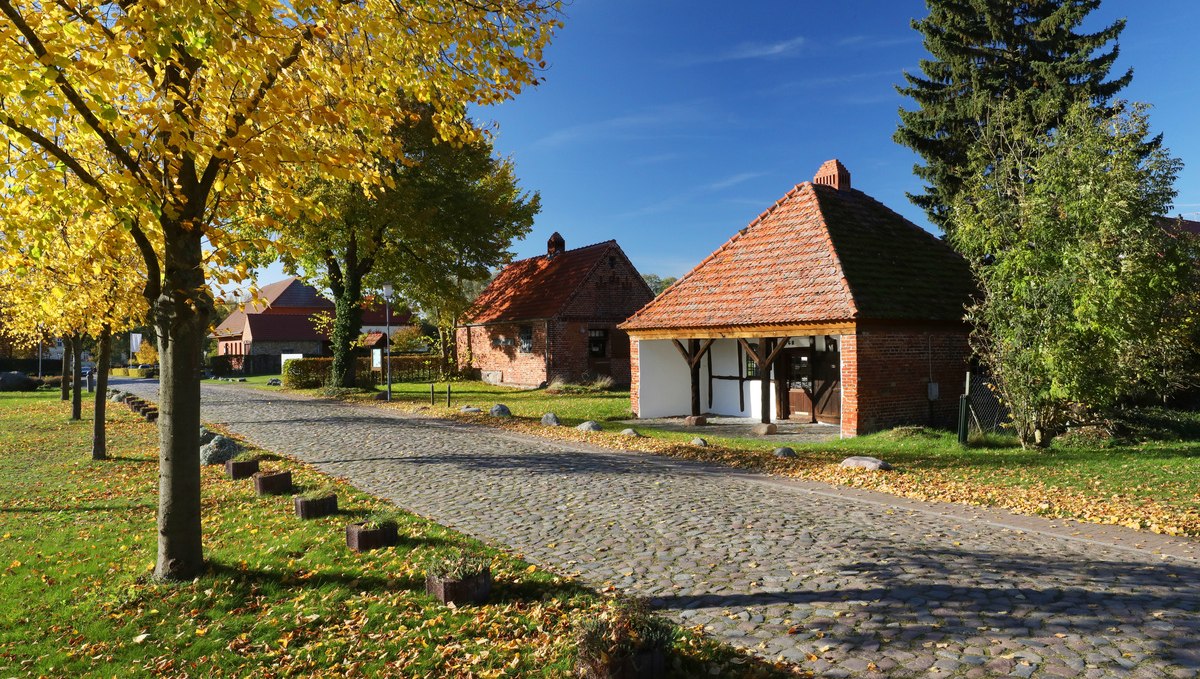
(280, 596)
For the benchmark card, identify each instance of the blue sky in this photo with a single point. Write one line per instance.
(669, 125)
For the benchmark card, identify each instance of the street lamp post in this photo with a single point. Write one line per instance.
(387, 338)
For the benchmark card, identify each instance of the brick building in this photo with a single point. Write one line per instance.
(281, 322)
(851, 313)
(554, 315)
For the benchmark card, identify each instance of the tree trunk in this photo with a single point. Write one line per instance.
(99, 442)
(65, 384)
(77, 377)
(347, 325)
(181, 314)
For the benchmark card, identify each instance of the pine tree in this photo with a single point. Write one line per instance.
(986, 51)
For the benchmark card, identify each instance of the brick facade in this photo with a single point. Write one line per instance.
(886, 377)
(495, 351)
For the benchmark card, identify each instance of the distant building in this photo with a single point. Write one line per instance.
(282, 323)
(829, 307)
(555, 316)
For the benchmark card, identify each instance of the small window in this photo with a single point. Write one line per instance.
(598, 343)
(525, 343)
(751, 366)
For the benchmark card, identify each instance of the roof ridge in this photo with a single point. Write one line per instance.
(581, 247)
(837, 258)
(732, 239)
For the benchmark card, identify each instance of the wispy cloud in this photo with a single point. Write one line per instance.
(825, 81)
(655, 159)
(684, 197)
(622, 126)
(745, 51)
(733, 180)
(876, 42)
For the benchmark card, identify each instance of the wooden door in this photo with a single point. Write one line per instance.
(799, 363)
(827, 383)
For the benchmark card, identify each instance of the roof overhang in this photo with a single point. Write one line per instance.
(744, 331)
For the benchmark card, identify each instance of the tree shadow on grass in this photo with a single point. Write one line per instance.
(51, 509)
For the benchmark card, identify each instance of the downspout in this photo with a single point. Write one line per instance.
(549, 348)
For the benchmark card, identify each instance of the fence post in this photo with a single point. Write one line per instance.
(447, 394)
(963, 407)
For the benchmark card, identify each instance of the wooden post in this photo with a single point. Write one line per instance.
(431, 395)
(764, 358)
(764, 381)
(694, 374)
(692, 355)
(447, 394)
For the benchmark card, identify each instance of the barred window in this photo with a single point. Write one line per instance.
(525, 341)
(598, 343)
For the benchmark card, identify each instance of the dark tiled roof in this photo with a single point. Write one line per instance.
(819, 254)
(281, 328)
(290, 293)
(373, 314)
(538, 287)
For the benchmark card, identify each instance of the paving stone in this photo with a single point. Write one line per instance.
(910, 588)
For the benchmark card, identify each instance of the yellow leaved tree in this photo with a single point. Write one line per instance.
(54, 282)
(190, 125)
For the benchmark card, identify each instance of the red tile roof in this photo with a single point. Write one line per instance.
(233, 324)
(536, 288)
(819, 254)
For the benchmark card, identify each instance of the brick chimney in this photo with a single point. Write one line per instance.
(833, 173)
(555, 245)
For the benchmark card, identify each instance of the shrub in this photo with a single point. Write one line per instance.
(306, 373)
(560, 386)
(119, 372)
(610, 645)
(387, 517)
(457, 565)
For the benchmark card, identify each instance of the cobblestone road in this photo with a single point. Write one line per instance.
(843, 583)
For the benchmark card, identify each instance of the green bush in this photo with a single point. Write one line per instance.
(306, 373)
(311, 373)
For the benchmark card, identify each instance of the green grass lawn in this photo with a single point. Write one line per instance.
(280, 597)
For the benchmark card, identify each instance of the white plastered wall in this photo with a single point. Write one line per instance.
(664, 387)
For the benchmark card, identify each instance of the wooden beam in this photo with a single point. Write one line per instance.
(746, 331)
(694, 352)
(682, 351)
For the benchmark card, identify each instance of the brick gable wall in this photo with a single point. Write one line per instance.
(892, 367)
(479, 347)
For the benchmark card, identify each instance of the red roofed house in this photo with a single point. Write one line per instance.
(555, 315)
(852, 313)
(282, 323)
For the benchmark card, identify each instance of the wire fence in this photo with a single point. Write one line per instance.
(986, 413)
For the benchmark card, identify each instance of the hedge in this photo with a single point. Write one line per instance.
(119, 372)
(306, 373)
